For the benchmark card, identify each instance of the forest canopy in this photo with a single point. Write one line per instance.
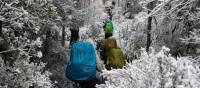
(160, 40)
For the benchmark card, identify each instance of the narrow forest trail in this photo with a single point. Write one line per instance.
(98, 15)
(96, 9)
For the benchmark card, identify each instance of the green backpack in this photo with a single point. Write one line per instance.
(108, 27)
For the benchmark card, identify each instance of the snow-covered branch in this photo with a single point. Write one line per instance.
(162, 70)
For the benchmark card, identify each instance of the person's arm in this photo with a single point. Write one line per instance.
(104, 26)
(98, 44)
(99, 64)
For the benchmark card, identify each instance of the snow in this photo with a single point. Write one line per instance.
(151, 69)
(39, 54)
(180, 72)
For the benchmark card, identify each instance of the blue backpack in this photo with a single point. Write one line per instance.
(82, 64)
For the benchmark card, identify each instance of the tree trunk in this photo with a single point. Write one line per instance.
(149, 6)
(83, 3)
(198, 3)
(104, 2)
(161, 73)
(74, 36)
(148, 33)
(46, 43)
(188, 29)
(63, 36)
(1, 28)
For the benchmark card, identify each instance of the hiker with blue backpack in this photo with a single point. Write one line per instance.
(84, 66)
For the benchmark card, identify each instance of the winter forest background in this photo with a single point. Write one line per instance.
(160, 39)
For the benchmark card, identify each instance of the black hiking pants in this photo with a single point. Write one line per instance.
(107, 35)
(91, 83)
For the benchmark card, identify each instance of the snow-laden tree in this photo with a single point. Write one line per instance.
(155, 70)
(23, 74)
(194, 37)
(171, 21)
(130, 33)
(21, 43)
